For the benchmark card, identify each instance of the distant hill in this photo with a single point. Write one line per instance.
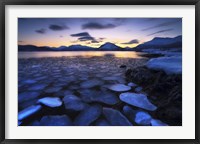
(156, 43)
(161, 43)
(33, 48)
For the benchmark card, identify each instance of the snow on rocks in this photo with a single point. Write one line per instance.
(119, 88)
(170, 65)
(50, 101)
(115, 118)
(28, 112)
(138, 100)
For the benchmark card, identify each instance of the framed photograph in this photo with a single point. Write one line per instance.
(99, 72)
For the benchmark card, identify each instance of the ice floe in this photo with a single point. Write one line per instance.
(138, 100)
(50, 101)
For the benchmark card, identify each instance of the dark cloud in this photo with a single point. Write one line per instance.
(83, 34)
(102, 38)
(162, 24)
(20, 41)
(86, 38)
(95, 25)
(58, 27)
(161, 31)
(41, 31)
(94, 41)
(135, 41)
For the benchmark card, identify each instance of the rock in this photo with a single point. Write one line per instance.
(115, 118)
(138, 100)
(138, 89)
(102, 122)
(119, 88)
(91, 83)
(131, 84)
(50, 101)
(155, 122)
(98, 96)
(142, 118)
(170, 65)
(28, 112)
(73, 103)
(56, 120)
(88, 115)
(37, 87)
(123, 66)
(25, 96)
(53, 89)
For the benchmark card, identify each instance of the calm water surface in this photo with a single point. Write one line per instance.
(86, 54)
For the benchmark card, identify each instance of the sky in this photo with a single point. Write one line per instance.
(124, 32)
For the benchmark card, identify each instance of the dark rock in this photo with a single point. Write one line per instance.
(122, 66)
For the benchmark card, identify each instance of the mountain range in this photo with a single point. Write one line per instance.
(155, 43)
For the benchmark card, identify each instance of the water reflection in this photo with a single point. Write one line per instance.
(85, 54)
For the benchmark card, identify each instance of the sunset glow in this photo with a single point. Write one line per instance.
(124, 32)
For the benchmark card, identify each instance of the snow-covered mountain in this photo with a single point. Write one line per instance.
(109, 47)
(161, 43)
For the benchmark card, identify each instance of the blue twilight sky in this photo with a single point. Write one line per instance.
(94, 32)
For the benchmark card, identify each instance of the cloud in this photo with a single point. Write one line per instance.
(20, 41)
(83, 34)
(86, 38)
(41, 31)
(135, 41)
(58, 27)
(161, 31)
(162, 25)
(95, 25)
(102, 38)
(94, 41)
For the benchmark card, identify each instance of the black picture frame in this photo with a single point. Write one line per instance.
(4, 3)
